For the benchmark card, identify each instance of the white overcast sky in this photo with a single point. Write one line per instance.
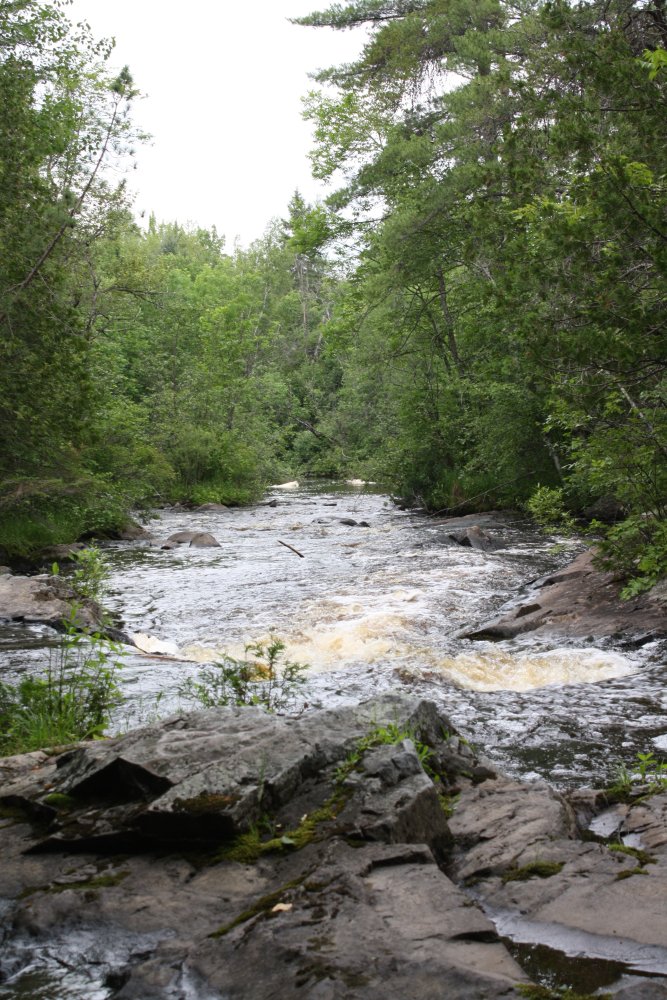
(223, 82)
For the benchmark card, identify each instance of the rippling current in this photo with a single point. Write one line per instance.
(373, 608)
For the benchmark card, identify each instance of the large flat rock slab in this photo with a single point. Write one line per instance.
(517, 844)
(581, 600)
(231, 854)
(342, 897)
(45, 600)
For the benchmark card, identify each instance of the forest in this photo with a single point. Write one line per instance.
(475, 317)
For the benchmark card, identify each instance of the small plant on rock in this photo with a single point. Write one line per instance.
(89, 579)
(647, 776)
(263, 678)
(389, 734)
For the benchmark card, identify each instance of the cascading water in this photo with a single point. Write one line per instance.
(370, 608)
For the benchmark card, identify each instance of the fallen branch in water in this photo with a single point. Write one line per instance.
(291, 547)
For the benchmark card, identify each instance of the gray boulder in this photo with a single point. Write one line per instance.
(182, 537)
(195, 539)
(45, 600)
(204, 540)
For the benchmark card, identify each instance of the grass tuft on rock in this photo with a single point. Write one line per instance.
(643, 857)
(536, 869)
(249, 847)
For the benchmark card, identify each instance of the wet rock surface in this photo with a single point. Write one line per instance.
(540, 883)
(232, 854)
(45, 600)
(581, 600)
(347, 899)
(196, 539)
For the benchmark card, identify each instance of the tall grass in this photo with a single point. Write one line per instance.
(72, 700)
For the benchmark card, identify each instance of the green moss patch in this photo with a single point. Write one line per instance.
(262, 907)
(533, 992)
(629, 872)
(205, 803)
(536, 869)
(60, 801)
(643, 857)
(249, 847)
(97, 882)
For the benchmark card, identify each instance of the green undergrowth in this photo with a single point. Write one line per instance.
(533, 992)
(448, 803)
(390, 735)
(36, 514)
(230, 494)
(263, 678)
(73, 696)
(248, 847)
(645, 777)
(536, 869)
(70, 700)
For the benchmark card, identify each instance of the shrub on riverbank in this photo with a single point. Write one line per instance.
(72, 700)
(263, 678)
(38, 513)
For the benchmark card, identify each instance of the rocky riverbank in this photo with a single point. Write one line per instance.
(362, 852)
(581, 600)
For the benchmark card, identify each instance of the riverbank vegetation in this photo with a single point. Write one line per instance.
(476, 315)
(71, 700)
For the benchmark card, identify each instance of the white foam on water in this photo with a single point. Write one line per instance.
(151, 644)
(335, 644)
(498, 670)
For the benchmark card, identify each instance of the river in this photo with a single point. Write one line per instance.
(369, 608)
(373, 608)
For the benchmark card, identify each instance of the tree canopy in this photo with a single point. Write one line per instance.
(476, 313)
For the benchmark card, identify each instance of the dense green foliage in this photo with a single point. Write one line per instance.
(504, 174)
(134, 365)
(496, 332)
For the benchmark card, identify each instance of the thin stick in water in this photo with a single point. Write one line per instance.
(291, 547)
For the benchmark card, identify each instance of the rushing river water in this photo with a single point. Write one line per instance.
(369, 608)
(378, 607)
